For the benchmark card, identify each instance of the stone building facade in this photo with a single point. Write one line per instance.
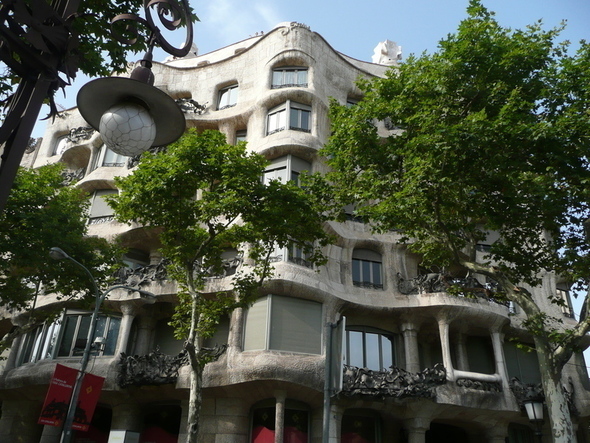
(420, 365)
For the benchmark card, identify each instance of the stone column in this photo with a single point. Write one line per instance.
(129, 311)
(15, 347)
(417, 428)
(410, 332)
(497, 341)
(145, 332)
(127, 417)
(443, 328)
(497, 434)
(280, 397)
(462, 359)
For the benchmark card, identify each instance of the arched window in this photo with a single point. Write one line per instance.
(108, 158)
(370, 348)
(228, 97)
(60, 145)
(289, 76)
(367, 269)
(360, 426)
(295, 424)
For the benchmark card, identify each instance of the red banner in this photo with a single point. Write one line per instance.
(58, 396)
(89, 395)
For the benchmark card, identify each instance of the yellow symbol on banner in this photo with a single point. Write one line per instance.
(89, 389)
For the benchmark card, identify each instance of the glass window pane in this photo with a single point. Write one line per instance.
(289, 77)
(294, 122)
(112, 336)
(356, 270)
(82, 335)
(302, 77)
(295, 426)
(376, 273)
(304, 124)
(386, 352)
(263, 425)
(51, 339)
(68, 336)
(365, 271)
(358, 429)
(372, 351)
(277, 78)
(355, 349)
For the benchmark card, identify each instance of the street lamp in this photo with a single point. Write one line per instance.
(534, 411)
(130, 113)
(58, 254)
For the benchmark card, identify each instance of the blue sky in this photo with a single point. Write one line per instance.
(355, 27)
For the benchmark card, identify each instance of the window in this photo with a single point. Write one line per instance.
(74, 334)
(286, 168)
(360, 426)
(366, 269)
(282, 323)
(288, 77)
(228, 97)
(66, 337)
(563, 299)
(521, 364)
(60, 145)
(241, 135)
(108, 158)
(100, 211)
(295, 424)
(289, 115)
(480, 355)
(370, 348)
(518, 433)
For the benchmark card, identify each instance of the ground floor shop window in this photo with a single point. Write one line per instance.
(161, 424)
(520, 434)
(360, 426)
(295, 424)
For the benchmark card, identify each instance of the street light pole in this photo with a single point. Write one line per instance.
(59, 254)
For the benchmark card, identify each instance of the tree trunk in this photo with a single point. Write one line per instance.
(559, 416)
(194, 404)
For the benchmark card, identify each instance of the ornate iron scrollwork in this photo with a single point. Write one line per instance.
(171, 15)
(489, 386)
(154, 368)
(395, 382)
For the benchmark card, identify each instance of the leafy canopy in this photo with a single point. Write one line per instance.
(489, 133)
(205, 196)
(43, 212)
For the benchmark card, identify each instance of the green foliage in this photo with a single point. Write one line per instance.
(42, 212)
(205, 196)
(492, 134)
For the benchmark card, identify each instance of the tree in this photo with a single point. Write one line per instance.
(488, 133)
(95, 52)
(205, 196)
(43, 212)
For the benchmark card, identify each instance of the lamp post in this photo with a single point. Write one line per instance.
(36, 37)
(59, 254)
(130, 113)
(534, 411)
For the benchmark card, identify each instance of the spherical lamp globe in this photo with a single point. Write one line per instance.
(127, 129)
